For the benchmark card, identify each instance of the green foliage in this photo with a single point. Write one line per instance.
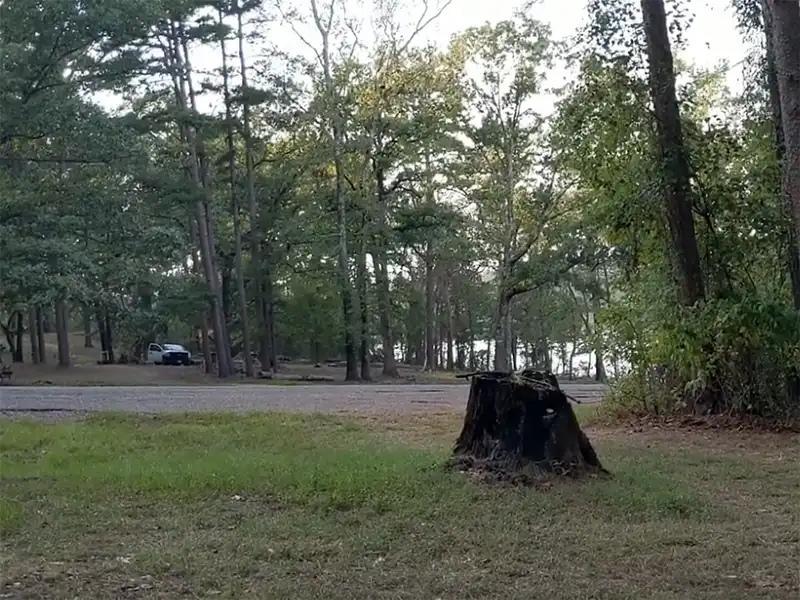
(446, 164)
(731, 353)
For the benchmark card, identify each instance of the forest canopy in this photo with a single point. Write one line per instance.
(172, 170)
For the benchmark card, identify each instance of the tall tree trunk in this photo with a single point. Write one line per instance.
(408, 353)
(104, 330)
(202, 319)
(336, 131)
(8, 330)
(782, 20)
(226, 282)
(260, 285)
(504, 357)
(221, 311)
(548, 355)
(186, 101)
(101, 331)
(62, 333)
(430, 273)
(439, 345)
(675, 165)
(40, 335)
(361, 278)
(450, 331)
(600, 368)
(513, 348)
(572, 359)
(382, 276)
(782, 24)
(271, 349)
(384, 312)
(430, 315)
(19, 350)
(244, 319)
(109, 335)
(473, 363)
(217, 315)
(48, 319)
(87, 327)
(32, 333)
(534, 355)
(348, 312)
(502, 337)
(144, 302)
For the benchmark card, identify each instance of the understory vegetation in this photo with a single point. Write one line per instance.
(264, 182)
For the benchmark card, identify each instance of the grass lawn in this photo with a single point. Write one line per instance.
(352, 507)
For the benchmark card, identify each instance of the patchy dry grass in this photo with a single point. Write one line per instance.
(334, 507)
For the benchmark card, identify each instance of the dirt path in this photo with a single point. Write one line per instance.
(248, 398)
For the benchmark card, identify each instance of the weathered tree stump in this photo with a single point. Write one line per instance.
(520, 427)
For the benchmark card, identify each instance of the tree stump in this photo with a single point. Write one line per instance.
(520, 427)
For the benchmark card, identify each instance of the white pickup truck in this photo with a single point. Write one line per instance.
(168, 354)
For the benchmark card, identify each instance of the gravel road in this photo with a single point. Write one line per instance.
(249, 398)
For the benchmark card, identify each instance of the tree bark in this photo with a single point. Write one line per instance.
(87, 327)
(62, 333)
(226, 283)
(265, 339)
(101, 328)
(186, 100)
(384, 312)
(32, 334)
(450, 331)
(48, 320)
(382, 275)
(675, 165)
(361, 278)
(430, 315)
(8, 331)
(104, 330)
(336, 131)
(205, 345)
(220, 309)
(600, 368)
(572, 360)
(782, 22)
(40, 335)
(503, 334)
(109, 336)
(520, 428)
(244, 319)
(270, 350)
(18, 354)
(473, 363)
(430, 274)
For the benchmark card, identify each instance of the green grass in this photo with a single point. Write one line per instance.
(328, 507)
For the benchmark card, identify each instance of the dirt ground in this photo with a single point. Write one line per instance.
(83, 373)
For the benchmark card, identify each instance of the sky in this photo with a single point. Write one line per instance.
(713, 37)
